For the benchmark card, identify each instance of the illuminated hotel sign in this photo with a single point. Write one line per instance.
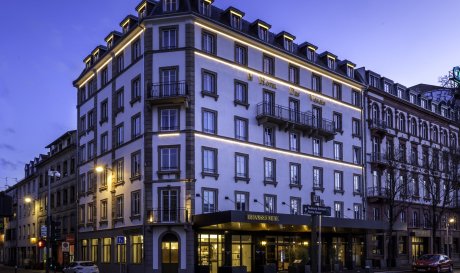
(263, 81)
(317, 100)
(262, 218)
(294, 92)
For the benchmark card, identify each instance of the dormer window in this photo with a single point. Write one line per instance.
(311, 53)
(235, 20)
(110, 43)
(412, 98)
(125, 27)
(170, 5)
(444, 112)
(373, 81)
(88, 63)
(96, 55)
(263, 32)
(423, 103)
(350, 71)
(331, 62)
(143, 12)
(400, 93)
(204, 7)
(288, 44)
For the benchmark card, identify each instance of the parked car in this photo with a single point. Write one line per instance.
(81, 267)
(433, 263)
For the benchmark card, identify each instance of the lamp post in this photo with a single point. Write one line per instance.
(451, 221)
(27, 200)
(49, 220)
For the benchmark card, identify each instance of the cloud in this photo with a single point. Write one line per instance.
(7, 147)
(6, 164)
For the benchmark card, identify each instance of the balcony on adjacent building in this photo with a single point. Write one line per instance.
(168, 93)
(289, 119)
(378, 127)
(378, 160)
(168, 216)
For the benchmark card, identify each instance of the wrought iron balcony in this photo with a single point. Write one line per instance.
(379, 160)
(287, 119)
(169, 92)
(168, 216)
(378, 127)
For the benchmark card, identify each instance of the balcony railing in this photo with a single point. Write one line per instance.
(168, 216)
(169, 92)
(378, 126)
(304, 121)
(378, 158)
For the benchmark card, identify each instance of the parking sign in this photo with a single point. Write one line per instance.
(121, 240)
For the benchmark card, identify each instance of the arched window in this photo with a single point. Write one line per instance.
(375, 113)
(413, 127)
(453, 141)
(424, 131)
(389, 118)
(402, 123)
(444, 137)
(435, 134)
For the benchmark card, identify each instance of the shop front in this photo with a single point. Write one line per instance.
(237, 241)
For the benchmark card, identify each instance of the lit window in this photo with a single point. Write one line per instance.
(137, 249)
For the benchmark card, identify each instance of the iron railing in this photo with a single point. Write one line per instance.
(168, 90)
(168, 216)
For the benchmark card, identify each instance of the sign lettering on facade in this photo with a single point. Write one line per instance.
(264, 82)
(259, 217)
(317, 100)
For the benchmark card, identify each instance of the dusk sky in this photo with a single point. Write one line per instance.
(44, 43)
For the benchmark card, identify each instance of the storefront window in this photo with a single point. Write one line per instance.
(402, 245)
(84, 249)
(241, 251)
(94, 248)
(106, 250)
(210, 251)
(121, 253)
(137, 245)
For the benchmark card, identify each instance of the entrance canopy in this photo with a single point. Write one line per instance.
(256, 221)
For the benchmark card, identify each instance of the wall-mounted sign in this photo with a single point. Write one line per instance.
(317, 100)
(264, 82)
(262, 218)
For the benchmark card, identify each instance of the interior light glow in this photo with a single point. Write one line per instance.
(304, 90)
(169, 135)
(250, 145)
(355, 86)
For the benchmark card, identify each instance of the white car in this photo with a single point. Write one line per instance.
(81, 267)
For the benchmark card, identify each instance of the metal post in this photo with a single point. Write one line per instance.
(48, 224)
(447, 239)
(319, 245)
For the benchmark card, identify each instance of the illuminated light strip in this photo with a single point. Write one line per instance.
(331, 57)
(319, 95)
(287, 37)
(102, 66)
(110, 38)
(235, 13)
(350, 65)
(96, 51)
(312, 48)
(262, 25)
(248, 145)
(169, 135)
(279, 56)
(129, 42)
(125, 22)
(90, 77)
(143, 6)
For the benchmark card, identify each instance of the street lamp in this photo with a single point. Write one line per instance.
(27, 200)
(450, 221)
(49, 220)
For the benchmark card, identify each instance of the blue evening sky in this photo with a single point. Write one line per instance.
(43, 44)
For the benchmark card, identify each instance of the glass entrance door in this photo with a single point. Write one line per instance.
(170, 254)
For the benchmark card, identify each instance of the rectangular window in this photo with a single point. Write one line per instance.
(338, 181)
(316, 83)
(386, 87)
(82, 153)
(169, 205)
(168, 38)
(209, 121)
(209, 161)
(338, 209)
(338, 150)
(209, 83)
(268, 65)
(120, 166)
(136, 126)
(356, 98)
(317, 146)
(350, 71)
(356, 127)
(83, 123)
(294, 74)
(208, 42)
(317, 178)
(331, 63)
(357, 184)
(91, 87)
(288, 44)
(104, 142)
(357, 209)
(91, 150)
(169, 83)
(337, 91)
(104, 111)
(169, 119)
(120, 134)
(269, 136)
(241, 166)
(204, 7)
(169, 158)
(104, 76)
(82, 183)
(106, 250)
(337, 118)
(94, 250)
(310, 54)
(170, 5)
(270, 203)
(209, 201)
(136, 203)
(294, 174)
(136, 164)
(263, 33)
(104, 208)
(137, 249)
(91, 119)
(235, 21)
(82, 94)
(90, 213)
(241, 93)
(121, 254)
(269, 170)
(294, 141)
(136, 50)
(241, 129)
(120, 63)
(295, 206)
(356, 155)
(241, 54)
(135, 89)
(242, 201)
(120, 100)
(119, 206)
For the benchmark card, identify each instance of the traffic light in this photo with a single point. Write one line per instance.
(41, 243)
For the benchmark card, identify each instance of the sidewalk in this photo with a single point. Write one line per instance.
(11, 269)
